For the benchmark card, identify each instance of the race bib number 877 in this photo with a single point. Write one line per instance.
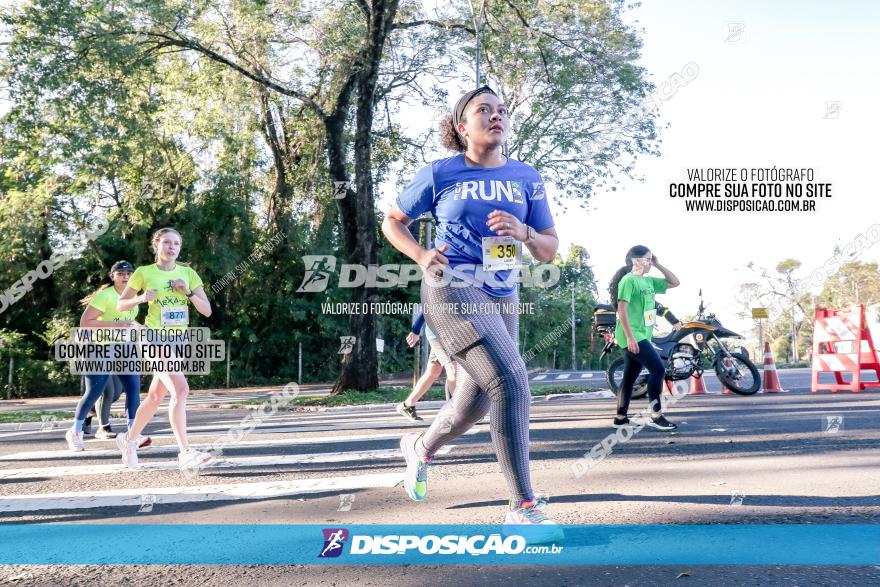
(175, 316)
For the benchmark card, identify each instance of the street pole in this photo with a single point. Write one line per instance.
(429, 237)
(478, 29)
(11, 371)
(299, 370)
(228, 360)
(760, 337)
(573, 339)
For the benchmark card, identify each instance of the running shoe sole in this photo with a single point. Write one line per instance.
(656, 426)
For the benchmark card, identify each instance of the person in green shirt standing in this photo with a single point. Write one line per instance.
(632, 294)
(168, 288)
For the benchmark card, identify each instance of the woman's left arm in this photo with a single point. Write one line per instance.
(543, 247)
(199, 299)
(671, 279)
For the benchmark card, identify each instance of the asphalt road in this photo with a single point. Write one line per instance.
(768, 459)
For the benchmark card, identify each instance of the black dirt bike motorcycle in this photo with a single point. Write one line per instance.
(682, 352)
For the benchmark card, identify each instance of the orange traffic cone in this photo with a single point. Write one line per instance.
(771, 378)
(667, 389)
(698, 386)
(725, 390)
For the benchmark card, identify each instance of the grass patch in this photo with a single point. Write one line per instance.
(33, 416)
(386, 395)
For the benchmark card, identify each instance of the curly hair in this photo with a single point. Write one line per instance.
(449, 136)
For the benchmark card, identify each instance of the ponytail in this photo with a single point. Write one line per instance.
(86, 300)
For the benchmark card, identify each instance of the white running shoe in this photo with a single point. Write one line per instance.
(192, 461)
(74, 440)
(128, 449)
(532, 524)
(144, 441)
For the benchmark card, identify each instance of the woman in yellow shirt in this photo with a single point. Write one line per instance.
(168, 288)
(101, 312)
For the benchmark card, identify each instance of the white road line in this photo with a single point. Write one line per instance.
(172, 448)
(563, 376)
(202, 493)
(539, 378)
(222, 463)
(23, 433)
(586, 375)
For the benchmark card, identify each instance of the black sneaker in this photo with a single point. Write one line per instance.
(408, 412)
(87, 426)
(660, 423)
(620, 421)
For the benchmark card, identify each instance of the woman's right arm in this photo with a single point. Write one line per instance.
(128, 299)
(89, 319)
(623, 316)
(394, 228)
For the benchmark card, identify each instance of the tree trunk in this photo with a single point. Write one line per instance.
(360, 367)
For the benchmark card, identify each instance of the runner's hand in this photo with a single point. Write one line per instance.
(412, 339)
(149, 295)
(632, 345)
(504, 224)
(432, 260)
(179, 285)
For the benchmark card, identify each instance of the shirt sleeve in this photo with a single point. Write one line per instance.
(626, 289)
(418, 197)
(660, 284)
(538, 215)
(99, 301)
(418, 323)
(136, 281)
(194, 280)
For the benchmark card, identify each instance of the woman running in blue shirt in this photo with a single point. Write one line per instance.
(485, 205)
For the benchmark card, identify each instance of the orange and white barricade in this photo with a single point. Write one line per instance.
(842, 343)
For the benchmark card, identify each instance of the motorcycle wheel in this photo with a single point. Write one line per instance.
(737, 384)
(614, 375)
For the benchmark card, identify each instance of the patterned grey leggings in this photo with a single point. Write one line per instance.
(493, 377)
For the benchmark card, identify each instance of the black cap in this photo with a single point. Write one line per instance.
(458, 112)
(121, 266)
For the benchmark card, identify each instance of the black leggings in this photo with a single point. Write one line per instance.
(632, 366)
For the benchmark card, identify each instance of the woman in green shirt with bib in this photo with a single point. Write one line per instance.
(632, 294)
(168, 288)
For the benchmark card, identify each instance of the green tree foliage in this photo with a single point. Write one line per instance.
(231, 122)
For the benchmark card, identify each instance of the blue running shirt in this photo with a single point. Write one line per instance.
(461, 197)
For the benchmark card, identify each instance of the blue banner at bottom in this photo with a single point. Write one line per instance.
(747, 544)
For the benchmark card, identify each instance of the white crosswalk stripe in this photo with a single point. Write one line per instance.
(272, 445)
(172, 448)
(261, 461)
(202, 493)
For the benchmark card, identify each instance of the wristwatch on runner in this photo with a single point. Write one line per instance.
(531, 234)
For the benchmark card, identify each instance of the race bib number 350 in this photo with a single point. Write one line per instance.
(175, 316)
(500, 252)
